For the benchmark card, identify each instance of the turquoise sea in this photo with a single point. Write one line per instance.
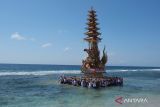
(24, 85)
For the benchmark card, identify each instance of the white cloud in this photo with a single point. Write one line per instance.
(67, 49)
(33, 39)
(111, 54)
(46, 45)
(17, 36)
(62, 31)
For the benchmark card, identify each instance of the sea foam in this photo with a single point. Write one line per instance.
(9, 73)
(40, 72)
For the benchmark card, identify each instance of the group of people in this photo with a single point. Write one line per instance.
(91, 82)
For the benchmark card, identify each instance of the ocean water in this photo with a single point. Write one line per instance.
(23, 85)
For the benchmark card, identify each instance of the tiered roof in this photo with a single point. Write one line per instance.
(92, 29)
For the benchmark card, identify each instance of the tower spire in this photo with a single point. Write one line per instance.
(91, 7)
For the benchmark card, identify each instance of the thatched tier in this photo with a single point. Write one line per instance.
(94, 82)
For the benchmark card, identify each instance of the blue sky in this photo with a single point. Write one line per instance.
(52, 31)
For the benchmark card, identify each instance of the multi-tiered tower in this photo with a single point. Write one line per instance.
(93, 65)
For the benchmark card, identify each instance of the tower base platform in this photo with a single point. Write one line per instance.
(91, 82)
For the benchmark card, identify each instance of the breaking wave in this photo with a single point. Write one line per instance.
(132, 70)
(41, 73)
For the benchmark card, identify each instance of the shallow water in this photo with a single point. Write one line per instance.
(40, 88)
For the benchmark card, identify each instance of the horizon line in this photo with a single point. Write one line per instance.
(74, 64)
